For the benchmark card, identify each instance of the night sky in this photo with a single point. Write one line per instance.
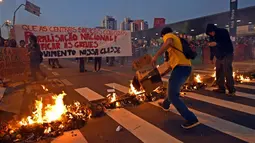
(89, 13)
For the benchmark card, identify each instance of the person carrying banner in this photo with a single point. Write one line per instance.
(35, 55)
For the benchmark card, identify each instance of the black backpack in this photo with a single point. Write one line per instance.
(187, 51)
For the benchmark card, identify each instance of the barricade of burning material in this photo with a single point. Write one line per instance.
(147, 82)
(195, 82)
(132, 98)
(46, 121)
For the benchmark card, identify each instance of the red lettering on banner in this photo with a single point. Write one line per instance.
(86, 44)
(47, 38)
(68, 45)
(29, 28)
(85, 36)
(25, 27)
(43, 29)
(50, 46)
(68, 37)
(34, 28)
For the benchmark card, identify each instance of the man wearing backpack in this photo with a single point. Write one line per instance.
(178, 50)
(220, 40)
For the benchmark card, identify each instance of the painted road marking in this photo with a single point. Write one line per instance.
(2, 90)
(210, 100)
(227, 127)
(55, 73)
(89, 94)
(238, 85)
(143, 130)
(240, 94)
(74, 136)
(66, 82)
(245, 86)
(58, 82)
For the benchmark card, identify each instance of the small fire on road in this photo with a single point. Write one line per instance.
(46, 121)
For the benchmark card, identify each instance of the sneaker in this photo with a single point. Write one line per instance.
(218, 90)
(189, 125)
(232, 93)
(163, 107)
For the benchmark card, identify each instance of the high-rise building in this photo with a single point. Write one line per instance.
(139, 25)
(125, 25)
(109, 23)
(134, 25)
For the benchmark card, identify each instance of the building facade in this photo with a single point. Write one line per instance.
(126, 24)
(109, 23)
(134, 25)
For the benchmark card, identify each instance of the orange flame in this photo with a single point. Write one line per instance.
(198, 79)
(140, 95)
(46, 114)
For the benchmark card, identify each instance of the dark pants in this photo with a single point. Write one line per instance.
(112, 60)
(35, 68)
(122, 60)
(98, 61)
(54, 62)
(178, 77)
(224, 70)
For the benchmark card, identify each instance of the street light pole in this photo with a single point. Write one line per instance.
(14, 15)
(0, 20)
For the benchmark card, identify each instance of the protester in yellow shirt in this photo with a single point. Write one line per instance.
(181, 70)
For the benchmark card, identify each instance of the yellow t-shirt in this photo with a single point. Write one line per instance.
(175, 56)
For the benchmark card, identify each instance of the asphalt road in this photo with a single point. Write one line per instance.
(224, 119)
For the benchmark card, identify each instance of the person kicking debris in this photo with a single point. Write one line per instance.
(181, 70)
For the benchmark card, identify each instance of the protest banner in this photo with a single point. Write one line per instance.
(13, 62)
(74, 42)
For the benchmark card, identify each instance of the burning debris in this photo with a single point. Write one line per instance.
(46, 121)
(238, 77)
(195, 84)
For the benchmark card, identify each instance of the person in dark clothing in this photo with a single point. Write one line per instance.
(220, 40)
(54, 62)
(1, 41)
(98, 61)
(35, 58)
(12, 43)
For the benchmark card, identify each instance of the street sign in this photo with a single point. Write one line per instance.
(30, 7)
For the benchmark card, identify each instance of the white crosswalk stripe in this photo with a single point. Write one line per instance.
(71, 137)
(143, 130)
(241, 94)
(55, 73)
(148, 132)
(227, 127)
(245, 86)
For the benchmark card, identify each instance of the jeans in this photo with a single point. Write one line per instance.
(224, 70)
(178, 77)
